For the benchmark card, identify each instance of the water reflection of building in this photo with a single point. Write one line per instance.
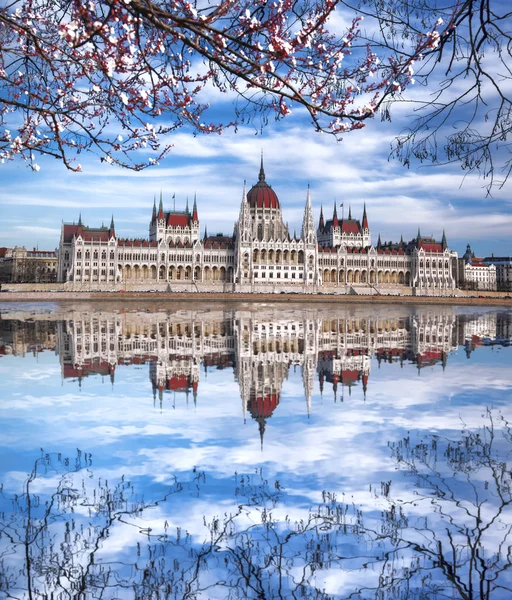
(26, 337)
(260, 345)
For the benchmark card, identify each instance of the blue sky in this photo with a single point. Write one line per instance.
(356, 170)
(33, 205)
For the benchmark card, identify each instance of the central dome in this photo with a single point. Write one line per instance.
(262, 195)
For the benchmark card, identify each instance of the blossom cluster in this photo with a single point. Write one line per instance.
(117, 77)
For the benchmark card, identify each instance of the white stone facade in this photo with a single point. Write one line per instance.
(260, 256)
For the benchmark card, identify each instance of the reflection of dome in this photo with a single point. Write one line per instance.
(262, 195)
(261, 408)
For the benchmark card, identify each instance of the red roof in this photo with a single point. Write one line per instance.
(69, 232)
(88, 234)
(351, 226)
(262, 196)
(3, 252)
(433, 247)
(218, 241)
(178, 219)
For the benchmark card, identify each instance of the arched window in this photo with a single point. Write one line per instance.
(103, 255)
(87, 255)
(79, 255)
(111, 255)
(95, 255)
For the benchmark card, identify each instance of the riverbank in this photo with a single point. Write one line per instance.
(200, 297)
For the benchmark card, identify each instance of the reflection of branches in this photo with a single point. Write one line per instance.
(446, 537)
(450, 538)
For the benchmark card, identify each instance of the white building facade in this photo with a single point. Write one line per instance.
(261, 255)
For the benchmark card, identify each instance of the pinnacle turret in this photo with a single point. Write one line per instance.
(321, 223)
(161, 209)
(365, 218)
(194, 210)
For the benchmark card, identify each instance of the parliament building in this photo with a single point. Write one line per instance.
(334, 255)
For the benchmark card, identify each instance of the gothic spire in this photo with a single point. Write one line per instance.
(308, 222)
(335, 222)
(349, 212)
(379, 243)
(443, 242)
(153, 217)
(80, 220)
(321, 223)
(205, 233)
(186, 208)
(419, 234)
(261, 177)
(112, 222)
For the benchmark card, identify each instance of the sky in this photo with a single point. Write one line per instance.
(358, 169)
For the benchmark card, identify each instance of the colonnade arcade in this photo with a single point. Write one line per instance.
(400, 277)
(177, 273)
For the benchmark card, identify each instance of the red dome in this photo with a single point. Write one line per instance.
(262, 195)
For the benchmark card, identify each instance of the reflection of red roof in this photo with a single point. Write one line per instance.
(349, 375)
(88, 368)
(177, 383)
(430, 355)
(263, 406)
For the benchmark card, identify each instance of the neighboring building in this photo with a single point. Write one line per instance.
(503, 266)
(19, 265)
(475, 274)
(260, 255)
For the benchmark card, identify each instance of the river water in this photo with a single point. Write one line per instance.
(255, 452)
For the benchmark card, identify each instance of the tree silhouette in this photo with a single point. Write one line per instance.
(461, 109)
